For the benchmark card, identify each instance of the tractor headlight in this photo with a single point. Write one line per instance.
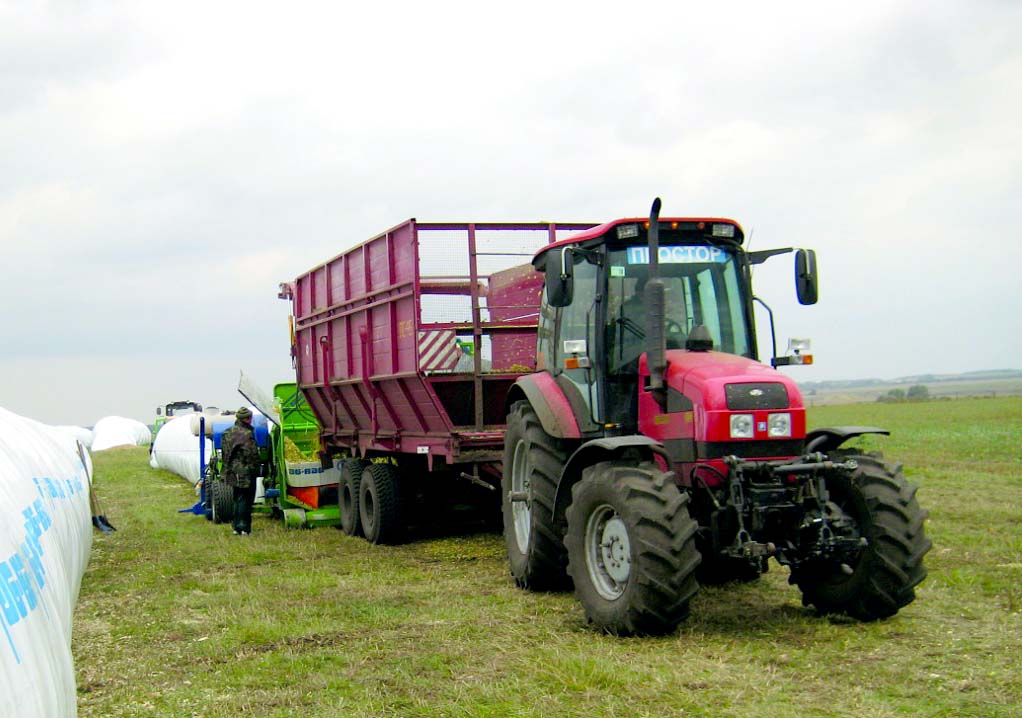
(741, 426)
(779, 425)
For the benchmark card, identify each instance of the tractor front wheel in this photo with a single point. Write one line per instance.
(882, 506)
(631, 548)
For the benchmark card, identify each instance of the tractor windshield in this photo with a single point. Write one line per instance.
(702, 285)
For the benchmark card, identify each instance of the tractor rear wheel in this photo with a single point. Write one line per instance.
(379, 504)
(222, 501)
(532, 465)
(347, 494)
(882, 505)
(631, 548)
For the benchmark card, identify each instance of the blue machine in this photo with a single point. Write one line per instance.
(259, 423)
(262, 437)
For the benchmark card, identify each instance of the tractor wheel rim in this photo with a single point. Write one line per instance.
(521, 511)
(608, 552)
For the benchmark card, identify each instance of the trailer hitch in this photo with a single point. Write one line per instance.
(474, 479)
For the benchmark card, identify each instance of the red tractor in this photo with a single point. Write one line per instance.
(651, 451)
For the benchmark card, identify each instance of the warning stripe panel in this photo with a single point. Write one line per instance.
(438, 350)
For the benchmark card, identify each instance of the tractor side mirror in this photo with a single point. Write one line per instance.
(559, 278)
(159, 411)
(806, 278)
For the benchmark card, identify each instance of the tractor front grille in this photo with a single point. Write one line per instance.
(759, 395)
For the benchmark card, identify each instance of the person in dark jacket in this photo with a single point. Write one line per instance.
(241, 467)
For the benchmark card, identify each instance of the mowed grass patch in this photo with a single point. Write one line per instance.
(178, 618)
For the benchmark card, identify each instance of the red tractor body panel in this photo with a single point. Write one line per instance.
(551, 405)
(703, 417)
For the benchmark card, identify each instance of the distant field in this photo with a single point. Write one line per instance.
(177, 618)
(940, 389)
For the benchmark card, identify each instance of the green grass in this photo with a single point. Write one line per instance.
(178, 618)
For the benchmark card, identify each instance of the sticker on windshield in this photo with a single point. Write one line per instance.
(678, 255)
(616, 271)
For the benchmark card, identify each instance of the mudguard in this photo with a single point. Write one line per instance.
(549, 402)
(829, 438)
(595, 451)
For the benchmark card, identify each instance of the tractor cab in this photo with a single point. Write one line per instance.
(601, 312)
(175, 408)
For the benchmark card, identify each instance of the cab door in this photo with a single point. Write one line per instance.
(568, 342)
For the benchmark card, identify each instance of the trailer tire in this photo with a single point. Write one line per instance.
(222, 501)
(379, 504)
(533, 461)
(631, 548)
(347, 495)
(883, 505)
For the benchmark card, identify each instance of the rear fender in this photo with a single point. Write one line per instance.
(830, 438)
(549, 402)
(595, 451)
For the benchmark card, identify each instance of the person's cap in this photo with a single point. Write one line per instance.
(243, 413)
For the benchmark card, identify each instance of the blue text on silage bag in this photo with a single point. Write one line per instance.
(22, 574)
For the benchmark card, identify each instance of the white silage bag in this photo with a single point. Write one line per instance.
(79, 432)
(45, 540)
(111, 431)
(176, 448)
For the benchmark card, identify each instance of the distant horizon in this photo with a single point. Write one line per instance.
(919, 376)
(811, 384)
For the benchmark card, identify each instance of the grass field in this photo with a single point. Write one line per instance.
(178, 618)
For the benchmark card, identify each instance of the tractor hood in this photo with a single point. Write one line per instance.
(717, 381)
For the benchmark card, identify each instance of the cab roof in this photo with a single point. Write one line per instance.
(603, 229)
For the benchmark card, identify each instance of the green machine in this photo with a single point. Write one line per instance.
(306, 490)
(175, 408)
(295, 486)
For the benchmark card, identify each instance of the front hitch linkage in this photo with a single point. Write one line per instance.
(814, 464)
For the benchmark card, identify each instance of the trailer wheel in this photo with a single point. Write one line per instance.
(532, 464)
(631, 548)
(347, 495)
(379, 504)
(882, 506)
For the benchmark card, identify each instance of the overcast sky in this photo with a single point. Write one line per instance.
(164, 165)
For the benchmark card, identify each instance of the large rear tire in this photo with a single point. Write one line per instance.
(533, 462)
(379, 504)
(883, 508)
(347, 495)
(631, 549)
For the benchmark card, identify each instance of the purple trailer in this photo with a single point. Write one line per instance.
(405, 348)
